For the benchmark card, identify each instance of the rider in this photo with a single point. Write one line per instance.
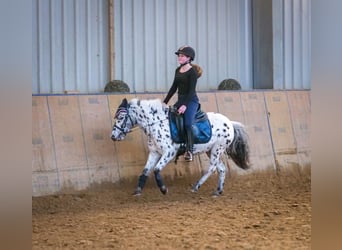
(185, 81)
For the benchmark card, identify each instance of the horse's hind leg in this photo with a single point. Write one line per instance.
(221, 170)
(200, 182)
(214, 161)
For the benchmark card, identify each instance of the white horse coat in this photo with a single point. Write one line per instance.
(151, 116)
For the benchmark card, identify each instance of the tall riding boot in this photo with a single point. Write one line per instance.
(189, 145)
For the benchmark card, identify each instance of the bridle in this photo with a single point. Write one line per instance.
(124, 129)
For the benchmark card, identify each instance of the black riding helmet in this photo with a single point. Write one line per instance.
(186, 50)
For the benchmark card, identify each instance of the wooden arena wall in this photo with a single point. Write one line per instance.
(72, 149)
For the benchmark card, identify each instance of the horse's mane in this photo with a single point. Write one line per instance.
(147, 104)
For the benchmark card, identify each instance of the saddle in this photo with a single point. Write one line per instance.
(201, 129)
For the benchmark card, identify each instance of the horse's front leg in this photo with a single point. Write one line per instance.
(152, 160)
(163, 161)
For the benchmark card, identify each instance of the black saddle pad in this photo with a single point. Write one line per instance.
(201, 129)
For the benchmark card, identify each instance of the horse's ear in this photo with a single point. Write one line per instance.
(124, 103)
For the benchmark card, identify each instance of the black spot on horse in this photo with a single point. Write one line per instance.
(153, 111)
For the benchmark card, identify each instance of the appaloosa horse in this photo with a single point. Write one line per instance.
(153, 117)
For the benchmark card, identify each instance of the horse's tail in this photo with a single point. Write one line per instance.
(239, 148)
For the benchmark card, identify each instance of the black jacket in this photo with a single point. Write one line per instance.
(186, 85)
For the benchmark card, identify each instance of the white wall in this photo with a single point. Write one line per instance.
(71, 43)
(70, 46)
(147, 33)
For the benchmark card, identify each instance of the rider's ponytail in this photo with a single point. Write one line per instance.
(198, 69)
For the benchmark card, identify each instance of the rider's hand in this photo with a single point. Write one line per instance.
(181, 109)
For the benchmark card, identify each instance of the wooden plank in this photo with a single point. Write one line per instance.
(229, 104)
(96, 124)
(281, 128)
(67, 132)
(150, 96)
(73, 179)
(45, 183)
(208, 102)
(43, 152)
(300, 109)
(261, 151)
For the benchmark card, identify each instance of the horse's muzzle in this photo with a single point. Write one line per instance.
(117, 138)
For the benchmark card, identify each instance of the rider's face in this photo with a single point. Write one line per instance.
(183, 59)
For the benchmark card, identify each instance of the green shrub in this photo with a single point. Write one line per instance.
(116, 86)
(229, 84)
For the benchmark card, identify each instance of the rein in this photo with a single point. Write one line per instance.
(151, 124)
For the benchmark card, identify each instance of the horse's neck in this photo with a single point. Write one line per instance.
(147, 117)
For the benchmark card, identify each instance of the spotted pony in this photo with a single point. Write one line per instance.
(227, 137)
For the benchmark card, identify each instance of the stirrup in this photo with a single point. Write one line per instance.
(188, 156)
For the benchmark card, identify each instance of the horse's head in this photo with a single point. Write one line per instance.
(123, 123)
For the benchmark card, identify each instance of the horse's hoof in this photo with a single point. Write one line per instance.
(164, 190)
(195, 187)
(216, 194)
(137, 192)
